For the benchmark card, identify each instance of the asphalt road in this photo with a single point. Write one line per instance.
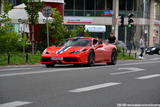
(127, 84)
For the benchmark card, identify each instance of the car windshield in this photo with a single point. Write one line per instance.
(76, 42)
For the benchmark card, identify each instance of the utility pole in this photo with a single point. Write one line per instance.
(115, 18)
(151, 23)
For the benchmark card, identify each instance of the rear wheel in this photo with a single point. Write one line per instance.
(113, 58)
(50, 65)
(91, 59)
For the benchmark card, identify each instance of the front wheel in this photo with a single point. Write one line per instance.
(113, 58)
(91, 59)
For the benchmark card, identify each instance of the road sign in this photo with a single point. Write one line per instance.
(47, 11)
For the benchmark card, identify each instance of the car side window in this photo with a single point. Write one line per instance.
(100, 42)
(95, 42)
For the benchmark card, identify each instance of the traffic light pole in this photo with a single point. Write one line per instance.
(47, 32)
(125, 38)
(115, 18)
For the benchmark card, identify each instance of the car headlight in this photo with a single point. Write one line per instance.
(80, 50)
(45, 51)
(153, 49)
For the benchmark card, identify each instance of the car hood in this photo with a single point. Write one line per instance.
(64, 49)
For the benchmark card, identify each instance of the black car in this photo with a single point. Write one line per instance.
(153, 50)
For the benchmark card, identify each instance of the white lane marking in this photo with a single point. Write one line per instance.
(148, 76)
(154, 59)
(14, 104)
(130, 70)
(140, 63)
(14, 69)
(71, 69)
(38, 72)
(16, 66)
(94, 87)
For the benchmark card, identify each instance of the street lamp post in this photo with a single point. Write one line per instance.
(115, 18)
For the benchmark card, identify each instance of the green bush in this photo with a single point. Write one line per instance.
(11, 41)
(125, 56)
(119, 49)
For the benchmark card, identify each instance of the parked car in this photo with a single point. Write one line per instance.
(153, 50)
(80, 51)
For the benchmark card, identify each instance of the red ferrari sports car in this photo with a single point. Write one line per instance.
(80, 51)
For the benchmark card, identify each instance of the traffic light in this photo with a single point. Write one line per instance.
(122, 20)
(130, 20)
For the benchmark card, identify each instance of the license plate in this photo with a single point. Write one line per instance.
(57, 58)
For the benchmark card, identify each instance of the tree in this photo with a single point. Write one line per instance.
(56, 28)
(32, 9)
(59, 32)
(6, 7)
(10, 41)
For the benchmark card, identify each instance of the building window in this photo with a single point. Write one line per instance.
(79, 4)
(100, 4)
(69, 4)
(109, 4)
(122, 4)
(19, 2)
(90, 4)
(130, 5)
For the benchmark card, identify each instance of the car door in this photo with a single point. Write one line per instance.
(108, 51)
(99, 51)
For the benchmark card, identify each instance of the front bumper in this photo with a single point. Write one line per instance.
(67, 59)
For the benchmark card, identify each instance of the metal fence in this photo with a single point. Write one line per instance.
(18, 59)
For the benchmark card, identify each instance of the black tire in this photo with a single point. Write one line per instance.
(158, 52)
(91, 59)
(113, 58)
(151, 53)
(50, 65)
(77, 65)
